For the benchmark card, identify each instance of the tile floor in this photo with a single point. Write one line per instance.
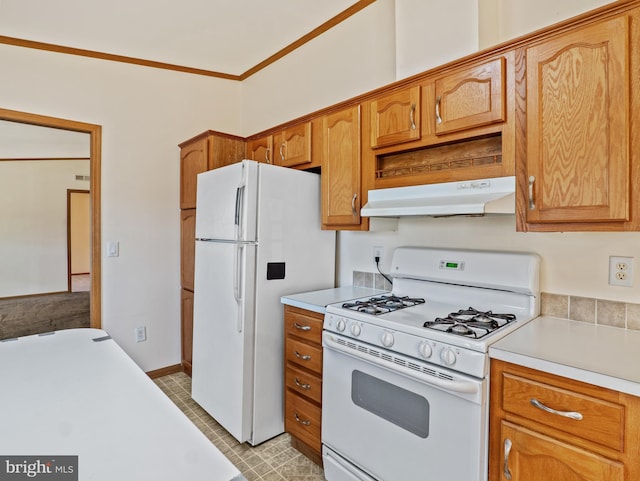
(274, 460)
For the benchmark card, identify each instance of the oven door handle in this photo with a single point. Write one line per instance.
(467, 387)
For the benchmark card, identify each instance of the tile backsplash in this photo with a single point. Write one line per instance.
(584, 309)
(371, 279)
(596, 311)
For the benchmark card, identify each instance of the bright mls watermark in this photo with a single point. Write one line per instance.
(54, 468)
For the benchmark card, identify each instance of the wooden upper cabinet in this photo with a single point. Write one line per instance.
(194, 158)
(261, 149)
(577, 126)
(395, 117)
(341, 176)
(293, 145)
(206, 151)
(471, 97)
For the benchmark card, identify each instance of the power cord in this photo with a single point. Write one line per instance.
(377, 260)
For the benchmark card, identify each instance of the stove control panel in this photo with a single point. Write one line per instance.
(434, 351)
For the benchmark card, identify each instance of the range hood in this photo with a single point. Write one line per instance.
(473, 197)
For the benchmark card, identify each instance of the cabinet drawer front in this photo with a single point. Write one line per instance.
(304, 354)
(304, 383)
(601, 423)
(302, 325)
(302, 420)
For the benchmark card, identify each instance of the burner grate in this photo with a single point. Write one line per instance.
(383, 304)
(470, 322)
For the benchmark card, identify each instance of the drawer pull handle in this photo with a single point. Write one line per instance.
(532, 204)
(301, 327)
(412, 119)
(302, 385)
(438, 118)
(507, 451)
(304, 422)
(567, 414)
(304, 357)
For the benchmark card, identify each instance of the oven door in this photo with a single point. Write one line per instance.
(380, 420)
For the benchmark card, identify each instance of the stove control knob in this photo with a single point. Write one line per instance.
(356, 329)
(341, 325)
(425, 349)
(448, 356)
(387, 339)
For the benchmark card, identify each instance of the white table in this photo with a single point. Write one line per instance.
(70, 393)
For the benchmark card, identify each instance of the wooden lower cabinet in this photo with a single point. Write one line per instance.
(551, 428)
(186, 314)
(303, 380)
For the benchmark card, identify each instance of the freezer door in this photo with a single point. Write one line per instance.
(227, 202)
(223, 330)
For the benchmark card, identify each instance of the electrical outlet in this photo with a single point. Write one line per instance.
(621, 271)
(377, 252)
(141, 333)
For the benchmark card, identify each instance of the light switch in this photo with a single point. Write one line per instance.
(113, 249)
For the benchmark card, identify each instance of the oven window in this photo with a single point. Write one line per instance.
(403, 408)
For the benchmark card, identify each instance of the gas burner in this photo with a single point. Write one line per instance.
(470, 322)
(383, 304)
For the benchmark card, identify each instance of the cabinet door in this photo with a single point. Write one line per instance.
(395, 118)
(194, 158)
(261, 149)
(577, 125)
(471, 98)
(341, 168)
(293, 145)
(186, 325)
(530, 456)
(187, 247)
(225, 150)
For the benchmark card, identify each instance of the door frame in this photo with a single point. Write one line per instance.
(95, 133)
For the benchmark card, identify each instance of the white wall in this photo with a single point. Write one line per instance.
(502, 20)
(33, 214)
(432, 32)
(144, 114)
(572, 263)
(350, 59)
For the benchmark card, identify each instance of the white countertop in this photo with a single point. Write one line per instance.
(75, 392)
(601, 355)
(316, 301)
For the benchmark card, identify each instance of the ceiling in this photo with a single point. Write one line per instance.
(227, 37)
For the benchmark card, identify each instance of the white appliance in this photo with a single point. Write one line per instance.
(405, 375)
(258, 237)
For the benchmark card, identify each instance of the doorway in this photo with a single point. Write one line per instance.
(78, 240)
(95, 133)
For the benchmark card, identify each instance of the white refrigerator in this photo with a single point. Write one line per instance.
(258, 237)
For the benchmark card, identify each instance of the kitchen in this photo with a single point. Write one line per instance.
(136, 144)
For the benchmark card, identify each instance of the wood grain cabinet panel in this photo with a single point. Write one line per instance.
(577, 125)
(395, 117)
(552, 428)
(470, 98)
(261, 149)
(204, 152)
(303, 380)
(341, 169)
(293, 145)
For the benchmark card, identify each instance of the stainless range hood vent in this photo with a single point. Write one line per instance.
(473, 197)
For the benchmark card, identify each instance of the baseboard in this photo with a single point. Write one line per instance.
(165, 371)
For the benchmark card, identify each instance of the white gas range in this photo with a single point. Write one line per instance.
(405, 374)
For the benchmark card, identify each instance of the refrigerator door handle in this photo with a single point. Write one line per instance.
(238, 282)
(239, 221)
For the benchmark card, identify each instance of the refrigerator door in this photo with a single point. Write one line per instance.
(222, 377)
(227, 202)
